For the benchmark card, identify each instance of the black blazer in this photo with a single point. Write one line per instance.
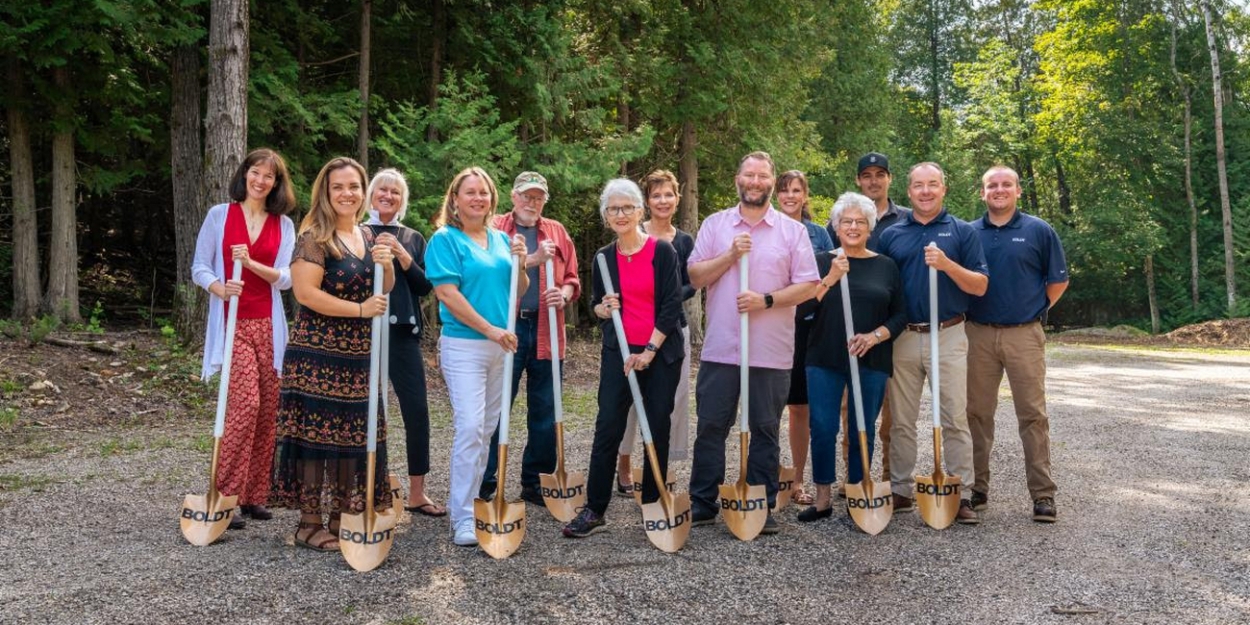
(667, 299)
(411, 285)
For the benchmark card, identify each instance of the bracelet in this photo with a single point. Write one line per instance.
(360, 309)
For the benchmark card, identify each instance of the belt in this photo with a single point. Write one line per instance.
(528, 314)
(923, 328)
(1006, 325)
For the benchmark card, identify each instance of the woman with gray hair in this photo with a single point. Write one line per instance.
(388, 203)
(644, 272)
(878, 315)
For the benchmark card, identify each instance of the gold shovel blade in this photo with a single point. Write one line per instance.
(499, 526)
(785, 487)
(365, 545)
(396, 487)
(871, 505)
(203, 523)
(745, 508)
(564, 493)
(636, 486)
(937, 496)
(667, 523)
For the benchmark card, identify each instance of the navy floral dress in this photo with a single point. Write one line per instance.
(321, 462)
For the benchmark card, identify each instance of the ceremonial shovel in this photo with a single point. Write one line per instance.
(937, 495)
(744, 506)
(563, 492)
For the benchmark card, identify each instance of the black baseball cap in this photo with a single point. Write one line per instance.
(873, 159)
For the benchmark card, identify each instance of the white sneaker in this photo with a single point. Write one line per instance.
(464, 535)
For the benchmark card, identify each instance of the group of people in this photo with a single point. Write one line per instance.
(296, 416)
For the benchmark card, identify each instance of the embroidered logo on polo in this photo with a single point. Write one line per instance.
(1019, 240)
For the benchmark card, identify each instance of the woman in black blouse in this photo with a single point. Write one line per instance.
(388, 202)
(878, 315)
(662, 194)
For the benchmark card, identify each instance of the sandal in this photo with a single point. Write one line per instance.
(323, 545)
(428, 508)
(803, 498)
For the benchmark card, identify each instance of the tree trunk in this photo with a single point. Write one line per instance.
(688, 169)
(362, 136)
(26, 288)
(61, 299)
(186, 168)
(1064, 191)
(1189, 184)
(225, 123)
(436, 64)
(1230, 269)
(935, 79)
(1150, 294)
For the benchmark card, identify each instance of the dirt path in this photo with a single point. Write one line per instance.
(1151, 452)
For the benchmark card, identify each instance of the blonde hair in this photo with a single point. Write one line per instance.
(448, 215)
(321, 217)
(390, 175)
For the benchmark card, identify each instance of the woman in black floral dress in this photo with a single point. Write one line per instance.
(320, 464)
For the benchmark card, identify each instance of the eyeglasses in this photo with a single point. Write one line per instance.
(626, 210)
(846, 223)
(532, 198)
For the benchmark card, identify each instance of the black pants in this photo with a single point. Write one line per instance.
(407, 371)
(657, 383)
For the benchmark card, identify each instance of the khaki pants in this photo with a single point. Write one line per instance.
(1021, 353)
(911, 369)
(883, 429)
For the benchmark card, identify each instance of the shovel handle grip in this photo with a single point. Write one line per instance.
(375, 364)
(934, 361)
(505, 412)
(856, 389)
(624, 347)
(553, 327)
(744, 342)
(227, 356)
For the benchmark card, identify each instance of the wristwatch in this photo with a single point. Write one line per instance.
(768, 300)
(877, 334)
(651, 347)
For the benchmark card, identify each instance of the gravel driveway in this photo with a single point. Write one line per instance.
(1151, 453)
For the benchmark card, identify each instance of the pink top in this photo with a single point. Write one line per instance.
(781, 255)
(638, 293)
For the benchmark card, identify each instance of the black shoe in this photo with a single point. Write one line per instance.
(966, 515)
(486, 492)
(903, 504)
(531, 495)
(702, 518)
(236, 521)
(771, 527)
(980, 501)
(812, 514)
(584, 524)
(258, 513)
(1044, 510)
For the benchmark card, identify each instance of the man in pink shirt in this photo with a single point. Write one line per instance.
(782, 273)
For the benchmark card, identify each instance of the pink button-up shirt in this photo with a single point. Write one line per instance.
(781, 255)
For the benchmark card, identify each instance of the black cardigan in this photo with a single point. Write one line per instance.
(667, 299)
(412, 285)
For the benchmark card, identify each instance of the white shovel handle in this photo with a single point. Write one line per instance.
(850, 332)
(934, 370)
(505, 412)
(624, 347)
(553, 326)
(375, 362)
(223, 387)
(744, 357)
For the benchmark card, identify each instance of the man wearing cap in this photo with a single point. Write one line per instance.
(961, 274)
(781, 274)
(545, 239)
(1005, 334)
(873, 179)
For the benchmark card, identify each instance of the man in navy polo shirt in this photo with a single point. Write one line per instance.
(962, 274)
(1005, 334)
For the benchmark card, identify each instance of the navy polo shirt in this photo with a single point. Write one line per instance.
(893, 212)
(905, 242)
(1025, 255)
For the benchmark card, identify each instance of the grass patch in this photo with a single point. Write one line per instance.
(10, 387)
(116, 446)
(8, 418)
(11, 482)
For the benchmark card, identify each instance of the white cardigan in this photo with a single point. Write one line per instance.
(208, 267)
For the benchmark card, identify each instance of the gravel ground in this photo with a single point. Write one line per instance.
(1150, 451)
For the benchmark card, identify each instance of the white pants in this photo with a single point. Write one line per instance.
(473, 371)
(679, 432)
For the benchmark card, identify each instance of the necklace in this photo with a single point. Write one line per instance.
(629, 256)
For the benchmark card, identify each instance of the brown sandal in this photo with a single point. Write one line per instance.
(316, 528)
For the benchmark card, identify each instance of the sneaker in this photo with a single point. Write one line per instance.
(980, 501)
(966, 515)
(1044, 510)
(812, 514)
(771, 527)
(698, 518)
(531, 495)
(584, 524)
(464, 536)
(903, 504)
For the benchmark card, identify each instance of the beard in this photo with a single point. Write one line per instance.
(758, 199)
